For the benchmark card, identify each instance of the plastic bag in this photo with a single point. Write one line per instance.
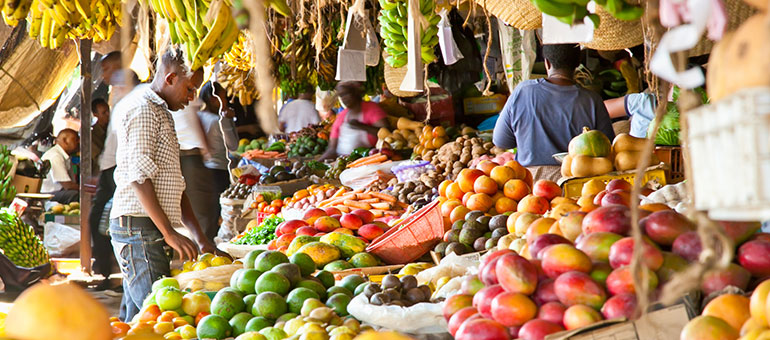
(422, 318)
(360, 177)
(18, 278)
(449, 50)
(232, 222)
(60, 239)
(210, 279)
(451, 265)
(411, 171)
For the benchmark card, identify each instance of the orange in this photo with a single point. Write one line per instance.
(448, 206)
(119, 329)
(482, 202)
(453, 191)
(467, 177)
(486, 166)
(485, 185)
(439, 131)
(505, 204)
(516, 189)
(732, 308)
(458, 213)
(442, 187)
(466, 197)
(502, 174)
(520, 170)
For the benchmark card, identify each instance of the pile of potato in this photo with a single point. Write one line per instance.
(425, 189)
(455, 156)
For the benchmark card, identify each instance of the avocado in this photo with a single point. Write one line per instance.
(441, 247)
(473, 215)
(468, 236)
(499, 232)
(456, 248)
(453, 236)
(498, 221)
(282, 176)
(484, 220)
(276, 169)
(267, 179)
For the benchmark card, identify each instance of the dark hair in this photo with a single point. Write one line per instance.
(96, 102)
(353, 87)
(562, 56)
(172, 60)
(205, 94)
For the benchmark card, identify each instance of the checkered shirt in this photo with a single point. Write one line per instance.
(147, 149)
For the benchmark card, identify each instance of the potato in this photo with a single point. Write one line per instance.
(488, 145)
(586, 166)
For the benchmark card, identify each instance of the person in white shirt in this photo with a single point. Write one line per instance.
(299, 113)
(60, 180)
(211, 94)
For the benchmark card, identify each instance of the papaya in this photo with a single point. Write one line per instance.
(566, 165)
(626, 142)
(592, 143)
(321, 253)
(349, 245)
(299, 242)
(585, 166)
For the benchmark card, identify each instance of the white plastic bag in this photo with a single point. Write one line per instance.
(446, 41)
(60, 239)
(351, 56)
(358, 178)
(452, 266)
(422, 318)
(372, 45)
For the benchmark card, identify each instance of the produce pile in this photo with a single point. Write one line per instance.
(18, 241)
(7, 190)
(239, 83)
(591, 154)
(304, 199)
(262, 234)
(309, 168)
(377, 203)
(403, 292)
(72, 209)
(452, 157)
(269, 202)
(573, 12)
(261, 148)
(307, 146)
(206, 28)
(242, 188)
(393, 30)
(205, 260)
(317, 130)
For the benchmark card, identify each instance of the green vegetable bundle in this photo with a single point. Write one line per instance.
(262, 234)
(668, 133)
(18, 241)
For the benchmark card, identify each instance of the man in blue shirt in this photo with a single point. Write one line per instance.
(542, 115)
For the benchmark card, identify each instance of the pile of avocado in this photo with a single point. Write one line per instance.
(306, 146)
(277, 173)
(260, 144)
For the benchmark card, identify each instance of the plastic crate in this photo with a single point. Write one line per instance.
(729, 144)
(411, 238)
(672, 156)
(261, 217)
(574, 186)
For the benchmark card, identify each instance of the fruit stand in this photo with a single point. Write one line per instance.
(433, 231)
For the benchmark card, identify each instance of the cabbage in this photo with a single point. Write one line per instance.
(668, 133)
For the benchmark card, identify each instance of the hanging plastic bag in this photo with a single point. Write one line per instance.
(414, 80)
(351, 56)
(372, 44)
(446, 41)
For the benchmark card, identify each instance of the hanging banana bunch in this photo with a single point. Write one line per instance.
(206, 28)
(326, 64)
(52, 22)
(393, 29)
(7, 190)
(296, 67)
(240, 55)
(239, 83)
(573, 11)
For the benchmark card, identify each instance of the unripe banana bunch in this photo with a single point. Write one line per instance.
(238, 82)
(240, 55)
(7, 190)
(19, 242)
(573, 11)
(241, 14)
(205, 27)
(393, 29)
(54, 21)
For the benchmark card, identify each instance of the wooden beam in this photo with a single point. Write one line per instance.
(85, 155)
(14, 40)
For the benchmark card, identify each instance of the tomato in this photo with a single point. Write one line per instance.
(261, 206)
(276, 203)
(260, 198)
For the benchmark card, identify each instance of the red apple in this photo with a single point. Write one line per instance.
(598, 198)
(546, 189)
(616, 197)
(492, 256)
(614, 219)
(688, 246)
(313, 214)
(351, 221)
(365, 215)
(290, 227)
(621, 253)
(620, 306)
(755, 257)
(619, 184)
(718, 279)
(543, 241)
(516, 274)
(370, 231)
(483, 299)
(552, 311)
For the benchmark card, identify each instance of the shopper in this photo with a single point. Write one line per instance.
(218, 111)
(60, 180)
(357, 125)
(299, 113)
(114, 75)
(542, 115)
(150, 200)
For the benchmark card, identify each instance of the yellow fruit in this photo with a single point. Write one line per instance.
(206, 257)
(758, 302)
(67, 310)
(163, 327)
(175, 272)
(187, 332)
(172, 336)
(220, 261)
(373, 335)
(188, 265)
(213, 286)
(238, 262)
(200, 266)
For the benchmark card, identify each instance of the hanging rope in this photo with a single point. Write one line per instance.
(486, 91)
(428, 108)
(265, 110)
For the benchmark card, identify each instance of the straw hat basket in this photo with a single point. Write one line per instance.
(393, 79)
(520, 14)
(615, 34)
(737, 12)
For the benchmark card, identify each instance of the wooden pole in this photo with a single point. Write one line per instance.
(85, 155)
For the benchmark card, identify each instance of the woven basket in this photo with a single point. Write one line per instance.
(520, 14)
(615, 34)
(737, 12)
(393, 79)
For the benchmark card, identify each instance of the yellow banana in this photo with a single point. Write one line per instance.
(167, 10)
(84, 8)
(60, 38)
(59, 14)
(34, 27)
(222, 22)
(69, 5)
(228, 39)
(178, 8)
(45, 28)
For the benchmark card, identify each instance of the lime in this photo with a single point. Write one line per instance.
(270, 305)
(169, 298)
(256, 324)
(235, 277)
(272, 282)
(339, 303)
(239, 321)
(314, 286)
(213, 327)
(297, 298)
(290, 271)
(305, 263)
(247, 280)
(226, 304)
(327, 278)
(269, 259)
(338, 290)
(165, 282)
(272, 333)
(248, 302)
(350, 282)
(363, 260)
(248, 260)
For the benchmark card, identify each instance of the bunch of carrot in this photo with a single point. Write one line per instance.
(378, 203)
(257, 153)
(368, 160)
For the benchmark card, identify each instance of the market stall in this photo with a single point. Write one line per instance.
(401, 214)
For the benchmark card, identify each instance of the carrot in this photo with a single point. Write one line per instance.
(402, 205)
(370, 200)
(363, 196)
(376, 159)
(342, 208)
(357, 205)
(384, 197)
(382, 206)
(392, 213)
(339, 193)
(331, 202)
(377, 213)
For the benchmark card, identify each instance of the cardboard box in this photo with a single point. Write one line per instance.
(662, 324)
(484, 105)
(26, 184)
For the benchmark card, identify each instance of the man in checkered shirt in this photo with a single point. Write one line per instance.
(150, 201)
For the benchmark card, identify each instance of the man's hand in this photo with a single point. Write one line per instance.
(209, 247)
(183, 245)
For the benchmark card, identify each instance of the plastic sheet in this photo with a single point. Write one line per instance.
(422, 318)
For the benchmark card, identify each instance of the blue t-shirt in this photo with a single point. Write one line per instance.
(540, 118)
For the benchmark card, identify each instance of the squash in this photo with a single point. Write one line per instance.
(382, 133)
(64, 311)
(629, 160)
(585, 166)
(737, 60)
(592, 143)
(408, 124)
(566, 164)
(626, 142)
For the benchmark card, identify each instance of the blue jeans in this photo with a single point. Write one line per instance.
(141, 253)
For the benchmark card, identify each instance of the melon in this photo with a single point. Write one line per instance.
(64, 311)
(591, 143)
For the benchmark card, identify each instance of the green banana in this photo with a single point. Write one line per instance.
(553, 9)
(629, 13)
(387, 5)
